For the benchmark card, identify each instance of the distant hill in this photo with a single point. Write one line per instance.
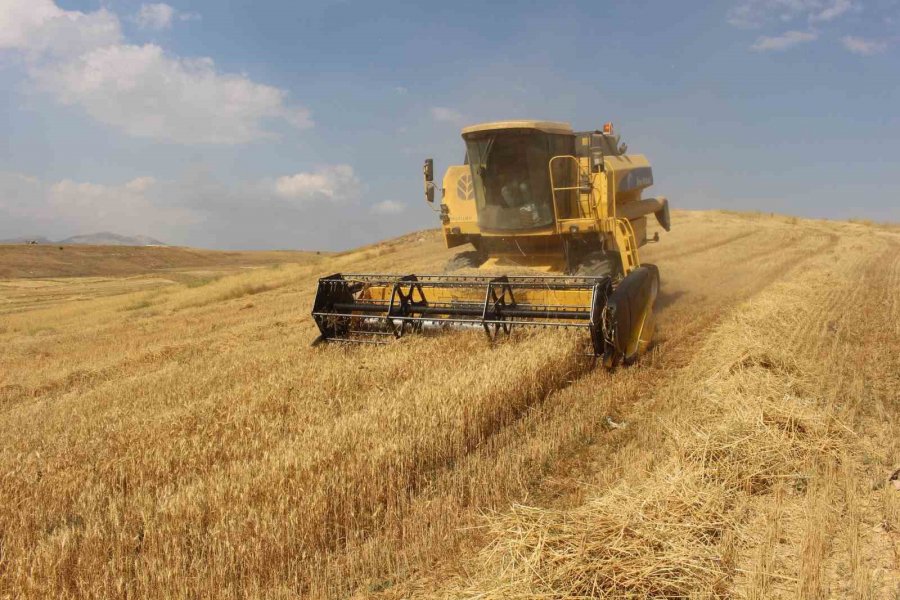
(78, 260)
(27, 240)
(103, 238)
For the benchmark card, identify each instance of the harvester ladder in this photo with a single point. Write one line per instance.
(622, 231)
(625, 241)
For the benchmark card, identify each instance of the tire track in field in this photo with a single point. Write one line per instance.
(832, 328)
(710, 246)
(673, 355)
(730, 285)
(830, 299)
(892, 300)
(825, 315)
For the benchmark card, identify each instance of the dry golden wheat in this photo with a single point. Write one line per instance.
(162, 438)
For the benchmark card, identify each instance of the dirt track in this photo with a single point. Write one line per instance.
(197, 421)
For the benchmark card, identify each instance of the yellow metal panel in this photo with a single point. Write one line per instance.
(631, 173)
(574, 299)
(640, 230)
(626, 161)
(459, 197)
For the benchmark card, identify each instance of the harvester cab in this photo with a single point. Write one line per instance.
(532, 195)
(538, 195)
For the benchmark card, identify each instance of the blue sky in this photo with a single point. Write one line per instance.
(304, 124)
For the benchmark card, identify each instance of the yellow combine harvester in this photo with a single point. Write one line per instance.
(533, 195)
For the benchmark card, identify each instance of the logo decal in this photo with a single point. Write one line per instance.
(464, 188)
(640, 177)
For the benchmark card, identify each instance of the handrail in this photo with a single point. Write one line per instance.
(578, 174)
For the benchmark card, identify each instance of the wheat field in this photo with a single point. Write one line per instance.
(171, 433)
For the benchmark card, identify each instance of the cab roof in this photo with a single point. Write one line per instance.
(545, 126)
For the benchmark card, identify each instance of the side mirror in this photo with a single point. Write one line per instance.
(428, 172)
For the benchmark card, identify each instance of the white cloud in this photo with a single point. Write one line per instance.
(755, 13)
(863, 46)
(832, 10)
(160, 15)
(40, 29)
(82, 59)
(446, 115)
(333, 183)
(155, 16)
(388, 207)
(147, 93)
(784, 41)
(140, 184)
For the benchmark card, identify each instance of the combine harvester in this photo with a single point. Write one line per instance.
(530, 194)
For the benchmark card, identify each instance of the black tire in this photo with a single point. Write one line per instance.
(465, 260)
(598, 264)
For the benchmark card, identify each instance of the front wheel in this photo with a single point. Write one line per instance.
(471, 259)
(628, 320)
(599, 264)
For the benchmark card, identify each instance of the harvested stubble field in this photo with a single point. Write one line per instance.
(175, 436)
